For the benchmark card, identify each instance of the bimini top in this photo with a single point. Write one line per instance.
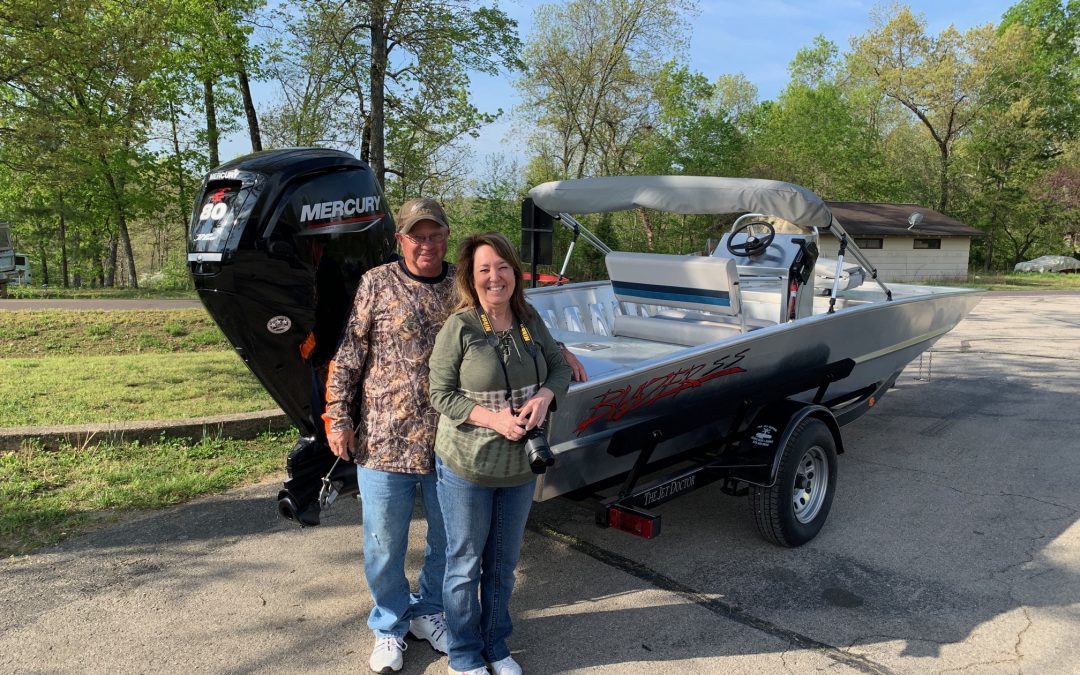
(684, 194)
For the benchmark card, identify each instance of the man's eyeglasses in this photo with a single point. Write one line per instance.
(433, 239)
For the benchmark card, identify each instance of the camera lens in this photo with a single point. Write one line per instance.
(538, 451)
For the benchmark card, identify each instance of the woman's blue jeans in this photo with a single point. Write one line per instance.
(388, 506)
(484, 531)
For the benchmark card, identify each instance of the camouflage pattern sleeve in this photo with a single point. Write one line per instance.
(347, 367)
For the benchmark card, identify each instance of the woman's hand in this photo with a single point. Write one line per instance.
(506, 423)
(535, 410)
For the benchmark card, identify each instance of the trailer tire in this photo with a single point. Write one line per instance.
(792, 511)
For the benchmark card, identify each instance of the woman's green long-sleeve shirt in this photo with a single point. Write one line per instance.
(465, 372)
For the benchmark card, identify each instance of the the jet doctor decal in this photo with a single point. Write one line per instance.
(614, 404)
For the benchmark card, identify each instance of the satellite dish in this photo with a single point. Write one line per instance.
(914, 219)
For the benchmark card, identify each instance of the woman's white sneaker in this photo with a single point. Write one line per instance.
(431, 627)
(388, 654)
(507, 666)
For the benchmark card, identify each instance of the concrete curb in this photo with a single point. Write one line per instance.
(244, 425)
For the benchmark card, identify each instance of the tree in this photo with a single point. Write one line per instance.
(401, 68)
(689, 134)
(1054, 60)
(944, 80)
(591, 66)
(79, 95)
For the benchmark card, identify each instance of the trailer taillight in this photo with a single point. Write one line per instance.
(641, 523)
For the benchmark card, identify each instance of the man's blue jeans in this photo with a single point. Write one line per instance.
(388, 506)
(484, 531)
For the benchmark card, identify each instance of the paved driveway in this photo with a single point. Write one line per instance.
(953, 544)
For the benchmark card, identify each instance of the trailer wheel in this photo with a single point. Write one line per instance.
(793, 510)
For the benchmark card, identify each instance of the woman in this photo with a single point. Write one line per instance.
(495, 373)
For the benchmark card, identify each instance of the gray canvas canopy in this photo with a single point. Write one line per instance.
(684, 194)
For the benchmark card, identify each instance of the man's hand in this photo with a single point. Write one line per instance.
(577, 371)
(342, 444)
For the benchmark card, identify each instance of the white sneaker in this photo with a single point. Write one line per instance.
(388, 654)
(507, 666)
(474, 671)
(431, 627)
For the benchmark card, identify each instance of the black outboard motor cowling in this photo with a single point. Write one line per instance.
(277, 245)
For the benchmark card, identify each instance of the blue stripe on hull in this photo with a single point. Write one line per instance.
(664, 294)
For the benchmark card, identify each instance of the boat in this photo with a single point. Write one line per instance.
(739, 366)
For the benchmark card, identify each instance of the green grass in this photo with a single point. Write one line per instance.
(37, 333)
(85, 389)
(67, 367)
(47, 496)
(1025, 281)
(51, 293)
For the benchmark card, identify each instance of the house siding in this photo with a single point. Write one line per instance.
(897, 260)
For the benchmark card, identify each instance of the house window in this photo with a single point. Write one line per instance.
(865, 243)
(927, 243)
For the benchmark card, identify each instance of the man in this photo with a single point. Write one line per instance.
(383, 354)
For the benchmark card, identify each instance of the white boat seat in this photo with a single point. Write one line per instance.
(700, 296)
(674, 331)
(690, 315)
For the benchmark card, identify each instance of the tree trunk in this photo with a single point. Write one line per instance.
(211, 123)
(646, 226)
(116, 190)
(379, 54)
(181, 182)
(365, 141)
(44, 265)
(63, 246)
(249, 104)
(109, 277)
(943, 199)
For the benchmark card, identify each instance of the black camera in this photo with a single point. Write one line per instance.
(538, 450)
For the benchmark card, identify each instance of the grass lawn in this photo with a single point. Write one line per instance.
(1027, 281)
(97, 332)
(47, 496)
(69, 367)
(51, 293)
(84, 389)
(75, 367)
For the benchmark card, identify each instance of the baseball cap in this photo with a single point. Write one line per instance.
(416, 210)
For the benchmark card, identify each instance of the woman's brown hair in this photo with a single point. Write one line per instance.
(466, 293)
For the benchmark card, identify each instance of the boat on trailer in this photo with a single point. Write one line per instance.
(739, 367)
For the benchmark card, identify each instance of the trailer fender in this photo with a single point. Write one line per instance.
(773, 426)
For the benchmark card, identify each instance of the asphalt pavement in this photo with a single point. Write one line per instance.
(953, 545)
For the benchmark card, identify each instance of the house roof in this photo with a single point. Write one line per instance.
(891, 220)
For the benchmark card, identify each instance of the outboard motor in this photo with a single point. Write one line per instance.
(277, 244)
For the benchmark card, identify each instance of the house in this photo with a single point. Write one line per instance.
(937, 247)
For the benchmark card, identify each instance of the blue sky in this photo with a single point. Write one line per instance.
(757, 38)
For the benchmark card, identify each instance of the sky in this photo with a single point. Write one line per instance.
(757, 38)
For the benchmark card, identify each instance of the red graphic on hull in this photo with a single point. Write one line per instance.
(614, 404)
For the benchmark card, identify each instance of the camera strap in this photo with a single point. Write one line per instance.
(493, 340)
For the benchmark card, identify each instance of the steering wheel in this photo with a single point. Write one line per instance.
(759, 234)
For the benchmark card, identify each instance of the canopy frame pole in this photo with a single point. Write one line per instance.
(578, 230)
(859, 256)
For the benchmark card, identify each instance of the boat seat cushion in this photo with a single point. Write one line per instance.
(700, 283)
(705, 317)
(673, 331)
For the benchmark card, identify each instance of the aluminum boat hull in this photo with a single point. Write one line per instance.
(632, 380)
